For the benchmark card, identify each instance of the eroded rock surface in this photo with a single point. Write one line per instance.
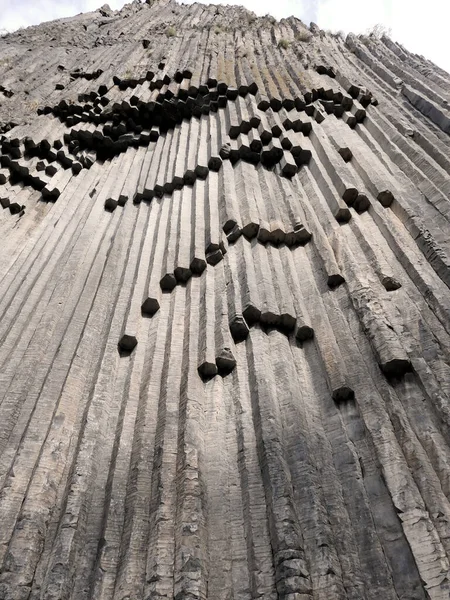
(224, 311)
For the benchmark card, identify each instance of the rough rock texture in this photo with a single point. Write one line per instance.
(224, 311)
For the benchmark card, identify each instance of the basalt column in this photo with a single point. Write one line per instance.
(224, 311)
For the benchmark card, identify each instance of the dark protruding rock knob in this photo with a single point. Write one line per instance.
(303, 333)
(127, 343)
(207, 370)
(239, 328)
(225, 362)
(150, 306)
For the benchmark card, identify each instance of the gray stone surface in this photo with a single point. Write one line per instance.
(224, 311)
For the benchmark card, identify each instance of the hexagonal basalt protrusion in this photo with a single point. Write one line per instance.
(225, 362)
(197, 266)
(288, 166)
(346, 154)
(288, 103)
(182, 274)
(349, 119)
(385, 198)
(362, 203)
(276, 104)
(263, 102)
(127, 343)
(272, 153)
(201, 172)
(349, 196)
(395, 368)
(335, 280)
(168, 282)
(150, 306)
(234, 233)
(300, 234)
(110, 204)
(207, 370)
(15, 208)
(215, 163)
(390, 283)
(189, 177)
(287, 323)
(214, 257)
(265, 134)
(303, 333)
(342, 394)
(225, 152)
(238, 328)
(256, 144)
(250, 230)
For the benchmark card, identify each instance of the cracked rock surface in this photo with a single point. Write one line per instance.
(224, 311)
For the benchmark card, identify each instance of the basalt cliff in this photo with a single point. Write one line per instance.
(224, 311)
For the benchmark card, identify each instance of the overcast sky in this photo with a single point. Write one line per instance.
(422, 27)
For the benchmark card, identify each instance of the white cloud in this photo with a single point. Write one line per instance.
(423, 30)
(420, 29)
(22, 13)
(331, 15)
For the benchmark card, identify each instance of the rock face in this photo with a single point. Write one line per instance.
(224, 311)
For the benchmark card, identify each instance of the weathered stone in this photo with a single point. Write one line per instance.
(287, 231)
(127, 343)
(110, 204)
(225, 362)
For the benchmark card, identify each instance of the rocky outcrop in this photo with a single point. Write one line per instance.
(224, 311)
